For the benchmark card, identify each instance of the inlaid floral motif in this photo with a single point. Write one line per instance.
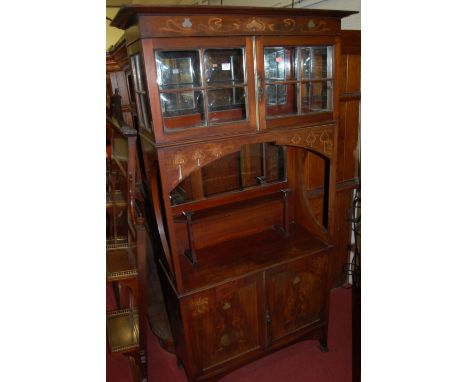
(296, 139)
(187, 23)
(240, 25)
(255, 25)
(320, 140)
(198, 156)
(199, 306)
(286, 25)
(183, 163)
(217, 24)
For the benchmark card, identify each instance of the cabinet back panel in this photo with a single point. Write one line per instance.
(242, 222)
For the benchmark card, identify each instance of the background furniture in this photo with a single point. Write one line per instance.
(126, 253)
(120, 81)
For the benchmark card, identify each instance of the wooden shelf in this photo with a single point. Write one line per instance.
(115, 198)
(246, 255)
(123, 330)
(230, 198)
(117, 242)
(229, 208)
(121, 264)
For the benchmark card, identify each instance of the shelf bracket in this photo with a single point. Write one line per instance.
(261, 180)
(190, 253)
(286, 194)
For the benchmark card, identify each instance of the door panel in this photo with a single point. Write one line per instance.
(296, 295)
(296, 80)
(224, 321)
(203, 86)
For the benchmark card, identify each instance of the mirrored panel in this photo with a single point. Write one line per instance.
(224, 66)
(222, 175)
(316, 62)
(253, 166)
(227, 104)
(316, 96)
(178, 69)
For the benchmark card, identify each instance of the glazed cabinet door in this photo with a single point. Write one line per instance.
(296, 295)
(296, 80)
(223, 322)
(201, 86)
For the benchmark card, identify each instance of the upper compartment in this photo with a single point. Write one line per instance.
(201, 87)
(242, 71)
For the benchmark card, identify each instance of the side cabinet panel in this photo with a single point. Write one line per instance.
(296, 295)
(224, 321)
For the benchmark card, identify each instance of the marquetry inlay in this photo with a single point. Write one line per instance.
(317, 139)
(199, 306)
(181, 163)
(198, 25)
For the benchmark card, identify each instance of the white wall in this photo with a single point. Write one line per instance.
(351, 22)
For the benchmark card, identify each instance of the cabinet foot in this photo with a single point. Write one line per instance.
(180, 365)
(324, 348)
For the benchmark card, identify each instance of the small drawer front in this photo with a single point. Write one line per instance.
(224, 322)
(296, 295)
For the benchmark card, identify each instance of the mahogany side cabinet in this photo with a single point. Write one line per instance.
(232, 104)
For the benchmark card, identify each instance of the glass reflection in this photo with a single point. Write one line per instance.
(281, 99)
(173, 104)
(316, 62)
(316, 96)
(276, 94)
(226, 104)
(277, 63)
(189, 105)
(224, 65)
(178, 69)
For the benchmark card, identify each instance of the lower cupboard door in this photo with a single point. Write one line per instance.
(224, 322)
(296, 295)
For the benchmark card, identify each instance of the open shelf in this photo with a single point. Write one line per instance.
(120, 264)
(115, 198)
(229, 208)
(117, 242)
(123, 330)
(246, 255)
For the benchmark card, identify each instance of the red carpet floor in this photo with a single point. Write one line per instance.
(297, 363)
